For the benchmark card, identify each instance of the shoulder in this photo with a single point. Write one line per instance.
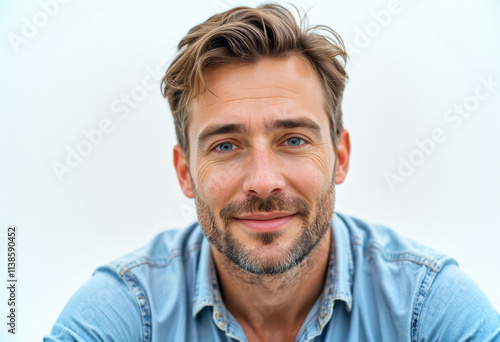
(375, 239)
(418, 286)
(115, 304)
(103, 309)
(456, 309)
(167, 247)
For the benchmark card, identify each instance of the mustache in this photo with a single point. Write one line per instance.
(253, 204)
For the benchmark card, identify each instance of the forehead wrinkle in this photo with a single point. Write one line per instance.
(247, 98)
(244, 94)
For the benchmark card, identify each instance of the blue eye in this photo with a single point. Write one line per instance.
(294, 141)
(225, 147)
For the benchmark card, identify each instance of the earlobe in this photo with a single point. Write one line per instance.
(181, 167)
(343, 154)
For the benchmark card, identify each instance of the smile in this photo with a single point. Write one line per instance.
(265, 222)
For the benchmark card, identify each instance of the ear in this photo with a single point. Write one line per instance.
(181, 167)
(343, 154)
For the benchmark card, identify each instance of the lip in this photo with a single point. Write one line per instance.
(265, 222)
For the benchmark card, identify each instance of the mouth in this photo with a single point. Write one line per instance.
(265, 222)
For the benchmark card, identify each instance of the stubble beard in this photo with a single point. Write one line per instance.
(283, 257)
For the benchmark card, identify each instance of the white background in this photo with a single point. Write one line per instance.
(65, 78)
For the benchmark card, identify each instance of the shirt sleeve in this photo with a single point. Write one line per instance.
(456, 309)
(103, 309)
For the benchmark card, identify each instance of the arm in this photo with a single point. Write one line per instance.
(103, 309)
(456, 309)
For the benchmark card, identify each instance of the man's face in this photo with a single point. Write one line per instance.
(262, 163)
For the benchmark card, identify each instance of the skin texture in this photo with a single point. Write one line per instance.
(277, 156)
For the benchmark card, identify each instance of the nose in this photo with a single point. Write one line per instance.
(264, 174)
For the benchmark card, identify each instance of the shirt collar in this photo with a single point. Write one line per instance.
(207, 287)
(339, 281)
(337, 285)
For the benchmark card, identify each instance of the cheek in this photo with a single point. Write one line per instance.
(217, 181)
(306, 178)
(311, 174)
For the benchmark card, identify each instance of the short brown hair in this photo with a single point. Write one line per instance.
(245, 35)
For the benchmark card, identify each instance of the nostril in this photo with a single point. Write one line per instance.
(263, 186)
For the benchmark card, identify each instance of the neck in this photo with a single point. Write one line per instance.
(273, 307)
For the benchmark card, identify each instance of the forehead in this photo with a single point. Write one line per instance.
(269, 89)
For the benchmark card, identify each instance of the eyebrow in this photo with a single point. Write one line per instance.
(220, 129)
(294, 123)
(217, 129)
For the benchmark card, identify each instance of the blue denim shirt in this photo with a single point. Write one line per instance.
(380, 286)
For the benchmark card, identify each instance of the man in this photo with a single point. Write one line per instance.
(256, 102)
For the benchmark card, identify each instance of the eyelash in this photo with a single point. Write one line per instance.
(215, 149)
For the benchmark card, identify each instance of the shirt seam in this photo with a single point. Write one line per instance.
(145, 260)
(143, 303)
(138, 290)
(419, 302)
(434, 263)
